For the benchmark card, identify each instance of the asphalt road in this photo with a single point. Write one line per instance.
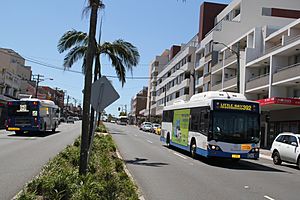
(22, 157)
(163, 173)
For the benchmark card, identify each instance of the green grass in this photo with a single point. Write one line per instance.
(106, 178)
(101, 128)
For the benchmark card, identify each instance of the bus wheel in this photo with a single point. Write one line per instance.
(45, 128)
(193, 149)
(53, 130)
(168, 140)
(19, 132)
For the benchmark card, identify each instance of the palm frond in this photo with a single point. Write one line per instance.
(74, 55)
(72, 38)
(119, 67)
(127, 53)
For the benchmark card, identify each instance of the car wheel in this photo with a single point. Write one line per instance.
(193, 149)
(298, 162)
(276, 158)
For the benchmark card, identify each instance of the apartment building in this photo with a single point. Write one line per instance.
(251, 47)
(138, 103)
(13, 73)
(262, 72)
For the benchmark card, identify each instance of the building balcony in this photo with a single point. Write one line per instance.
(199, 82)
(230, 59)
(258, 81)
(217, 87)
(216, 67)
(287, 72)
(231, 82)
(200, 63)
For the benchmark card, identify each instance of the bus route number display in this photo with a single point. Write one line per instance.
(231, 105)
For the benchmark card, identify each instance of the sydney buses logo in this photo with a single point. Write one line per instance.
(23, 108)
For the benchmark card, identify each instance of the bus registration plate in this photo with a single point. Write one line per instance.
(236, 156)
(246, 147)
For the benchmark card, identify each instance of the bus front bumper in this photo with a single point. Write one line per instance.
(23, 128)
(249, 155)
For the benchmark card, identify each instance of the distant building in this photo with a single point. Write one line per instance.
(138, 103)
(56, 95)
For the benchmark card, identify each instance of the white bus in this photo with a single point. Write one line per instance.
(30, 115)
(214, 124)
(123, 120)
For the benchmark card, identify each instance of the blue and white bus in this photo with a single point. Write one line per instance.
(32, 115)
(214, 124)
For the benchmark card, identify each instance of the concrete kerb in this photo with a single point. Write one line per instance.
(141, 197)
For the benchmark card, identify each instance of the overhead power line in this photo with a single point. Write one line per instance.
(44, 64)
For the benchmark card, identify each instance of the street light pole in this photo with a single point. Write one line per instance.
(237, 53)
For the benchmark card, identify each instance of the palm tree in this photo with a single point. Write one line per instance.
(123, 55)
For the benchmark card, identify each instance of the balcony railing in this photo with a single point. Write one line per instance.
(217, 87)
(286, 72)
(216, 67)
(199, 81)
(257, 81)
(230, 59)
(230, 82)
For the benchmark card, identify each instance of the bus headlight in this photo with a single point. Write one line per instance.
(255, 150)
(214, 147)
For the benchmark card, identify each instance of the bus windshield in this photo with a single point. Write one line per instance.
(235, 127)
(14, 110)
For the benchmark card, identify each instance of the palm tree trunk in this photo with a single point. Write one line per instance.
(83, 163)
(92, 109)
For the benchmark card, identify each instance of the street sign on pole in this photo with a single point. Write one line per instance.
(103, 94)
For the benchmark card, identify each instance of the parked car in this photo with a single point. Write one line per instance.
(154, 127)
(286, 148)
(144, 123)
(62, 119)
(70, 119)
(158, 130)
(76, 118)
(147, 127)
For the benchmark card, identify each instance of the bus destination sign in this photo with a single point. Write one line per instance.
(235, 105)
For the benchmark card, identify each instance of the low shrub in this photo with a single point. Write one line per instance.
(106, 178)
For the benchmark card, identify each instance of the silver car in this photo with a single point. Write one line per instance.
(286, 148)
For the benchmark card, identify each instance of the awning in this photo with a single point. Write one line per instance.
(278, 103)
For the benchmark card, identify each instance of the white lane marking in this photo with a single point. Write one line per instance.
(135, 135)
(267, 197)
(149, 141)
(246, 187)
(181, 156)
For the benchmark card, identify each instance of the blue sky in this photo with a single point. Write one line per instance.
(32, 28)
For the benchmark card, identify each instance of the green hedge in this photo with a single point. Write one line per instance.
(106, 178)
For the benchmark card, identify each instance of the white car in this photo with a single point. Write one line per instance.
(147, 127)
(286, 147)
(143, 124)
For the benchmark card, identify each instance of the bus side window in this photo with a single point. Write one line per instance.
(195, 119)
(168, 116)
(204, 122)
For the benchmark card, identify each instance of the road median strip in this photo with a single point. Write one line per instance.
(107, 177)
